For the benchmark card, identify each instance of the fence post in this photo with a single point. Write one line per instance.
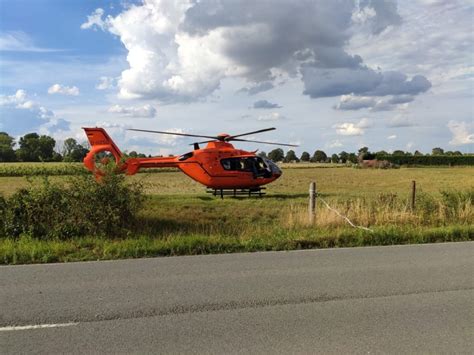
(413, 194)
(312, 201)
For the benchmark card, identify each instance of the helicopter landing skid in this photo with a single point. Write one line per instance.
(258, 192)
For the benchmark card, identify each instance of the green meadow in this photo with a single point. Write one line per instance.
(179, 218)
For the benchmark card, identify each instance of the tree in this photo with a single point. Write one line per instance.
(276, 155)
(352, 158)
(418, 153)
(262, 154)
(6, 147)
(319, 157)
(437, 151)
(343, 156)
(398, 152)
(334, 158)
(305, 156)
(291, 157)
(36, 148)
(72, 151)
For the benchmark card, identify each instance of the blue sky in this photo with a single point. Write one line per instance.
(332, 75)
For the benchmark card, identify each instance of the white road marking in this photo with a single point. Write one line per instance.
(37, 326)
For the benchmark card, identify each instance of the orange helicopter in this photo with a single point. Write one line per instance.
(219, 166)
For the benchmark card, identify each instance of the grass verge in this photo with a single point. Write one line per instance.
(26, 250)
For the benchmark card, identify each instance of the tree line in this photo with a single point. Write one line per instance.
(33, 147)
(437, 157)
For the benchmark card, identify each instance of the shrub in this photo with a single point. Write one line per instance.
(79, 207)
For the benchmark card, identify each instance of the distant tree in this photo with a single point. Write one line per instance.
(291, 157)
(364, 154)
(133, 154)
(398, 152)
(319, 157)
(334, 158)
(437, 151)
(6, 147)
(276, 155)
(36, 148)
(305, 157)
(457, 152)
(418, 153)
(343, 156)
(262, 154)
(352, 158)
(72, 151)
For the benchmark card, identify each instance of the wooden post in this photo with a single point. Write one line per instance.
(413, 194)
(312, 201)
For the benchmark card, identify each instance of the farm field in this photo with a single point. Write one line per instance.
(180, 218)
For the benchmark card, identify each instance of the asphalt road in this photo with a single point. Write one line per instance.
(401, 299)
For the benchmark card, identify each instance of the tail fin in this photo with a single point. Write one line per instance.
(100, 142)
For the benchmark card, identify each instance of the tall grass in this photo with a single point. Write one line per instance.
(389, 209)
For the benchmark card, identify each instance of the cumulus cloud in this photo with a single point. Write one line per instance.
(258, 87)
(460, 132)
(360, 81)
(353, 129)
(63, 90)
(374, 103)
(20, 114)
(183, 50)
(134, 111)
(95, 20)
(393, 136)
(264, 104)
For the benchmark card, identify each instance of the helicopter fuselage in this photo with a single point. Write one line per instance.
(218, 166)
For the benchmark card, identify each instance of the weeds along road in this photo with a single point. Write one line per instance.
(380, 299)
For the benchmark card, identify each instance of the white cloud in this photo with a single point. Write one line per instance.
(353, 129)
(393, 136)
(95, 20)
(19, 114)
(63, 89)
(183, 50)
(274, 116)
(134, 111)
(460, 132)
(105, 83)
(374, 103)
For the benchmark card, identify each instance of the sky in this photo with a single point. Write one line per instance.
(328, 74)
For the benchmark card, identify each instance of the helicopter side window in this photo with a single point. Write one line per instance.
(236, 164)
(185, 156)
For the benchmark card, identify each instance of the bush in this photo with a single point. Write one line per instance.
(77, 208)
(429, 159)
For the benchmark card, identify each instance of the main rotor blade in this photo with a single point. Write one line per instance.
(171, 133)
(246, 140)
(246, 134)
(212, 140)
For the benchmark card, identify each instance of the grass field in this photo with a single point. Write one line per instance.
(180, 218)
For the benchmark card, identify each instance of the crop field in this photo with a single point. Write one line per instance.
(180, 218)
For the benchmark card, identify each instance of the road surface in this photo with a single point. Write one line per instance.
(400, 299)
